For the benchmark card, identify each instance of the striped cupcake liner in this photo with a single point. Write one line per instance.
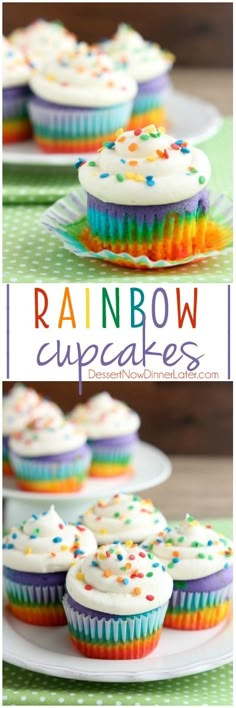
(62, 129)
(121, 638)
(112, 461)
(67, 218)
(198, 610)
(40, 605)
(16, 123)
(55, 476)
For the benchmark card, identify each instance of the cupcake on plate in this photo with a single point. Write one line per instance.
(79, 100)
(146, 195)
(111, 428)
(122, 517)
(41, 39)
(36, 558)
(15, 77)
(115, 602)
(21, 405)
(50, 456)
(17, 410)
(150, 66)
(200, 563)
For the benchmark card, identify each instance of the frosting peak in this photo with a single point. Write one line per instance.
(191, 550)
(42, 38)
(144, 60)
(104, 417)
(122, 517)
(120, 579)
(45, 543)
(83, 77)
(145, 166)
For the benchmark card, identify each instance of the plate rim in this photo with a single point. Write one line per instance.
(41, 158)
(162, 476)
(131, 675)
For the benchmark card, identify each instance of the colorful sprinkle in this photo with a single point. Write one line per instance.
(120, 177)
(150, 597)
(104, 174)
(88, 587)
(57, 539)
(201, 180)
(137, 591)
(132, 147)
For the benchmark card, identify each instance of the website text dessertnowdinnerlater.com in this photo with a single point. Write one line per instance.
(140, 350)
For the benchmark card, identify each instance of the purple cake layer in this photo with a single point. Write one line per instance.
(36, 579)
(82, 451)
(110, 442)
(153, 85)
(40, 102)
(95, 613)
(149, 213)
(216, 581)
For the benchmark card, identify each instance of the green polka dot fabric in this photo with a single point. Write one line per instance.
(31, 254)
(210, 688)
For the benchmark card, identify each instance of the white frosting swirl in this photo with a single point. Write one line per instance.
(192, 550)
(45, 543)
(122, 517)
(18, 408)
(146, 168)
(119, 579)
(15, 69)
(83, 77)
(42, 39)
(143, 60)
(104, 417)
(43, 438)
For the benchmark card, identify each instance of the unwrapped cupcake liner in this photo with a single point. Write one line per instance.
(30, 471)
(134, 636)
(36, 604)
(198, 610)
(67, 218)
(78, 129)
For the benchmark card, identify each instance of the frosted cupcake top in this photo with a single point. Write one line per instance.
(42, 39)
(144, 60)
(18, 407)
(15, 71)
(119, 579)
(83, 77)
(105, 417)
(41, 437)
(144, 167)
(45, 544)
(192, 550)
(122, 517)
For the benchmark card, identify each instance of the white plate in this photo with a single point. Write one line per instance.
(49, 651)
(151, 467)
(189, 117)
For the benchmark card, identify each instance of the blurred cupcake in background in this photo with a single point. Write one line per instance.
(200, 562)
(122, 517)
(50, 456)
(112, 431)
(79, 100)
(42, 39)
(18, 409)
(150, 66)
(15, 78)
(36, 558)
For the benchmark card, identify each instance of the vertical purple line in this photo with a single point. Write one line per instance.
(8, 333)
(229, 334)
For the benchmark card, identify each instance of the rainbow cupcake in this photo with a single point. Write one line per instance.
(122, 517)
(79, 100)
(50, 456)
(18, 409)
(16, 124)
(115, 602)
(146, 195)
(41, 39)
(111, 428)
(200, 563)
(36, 558)
(150, 66)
